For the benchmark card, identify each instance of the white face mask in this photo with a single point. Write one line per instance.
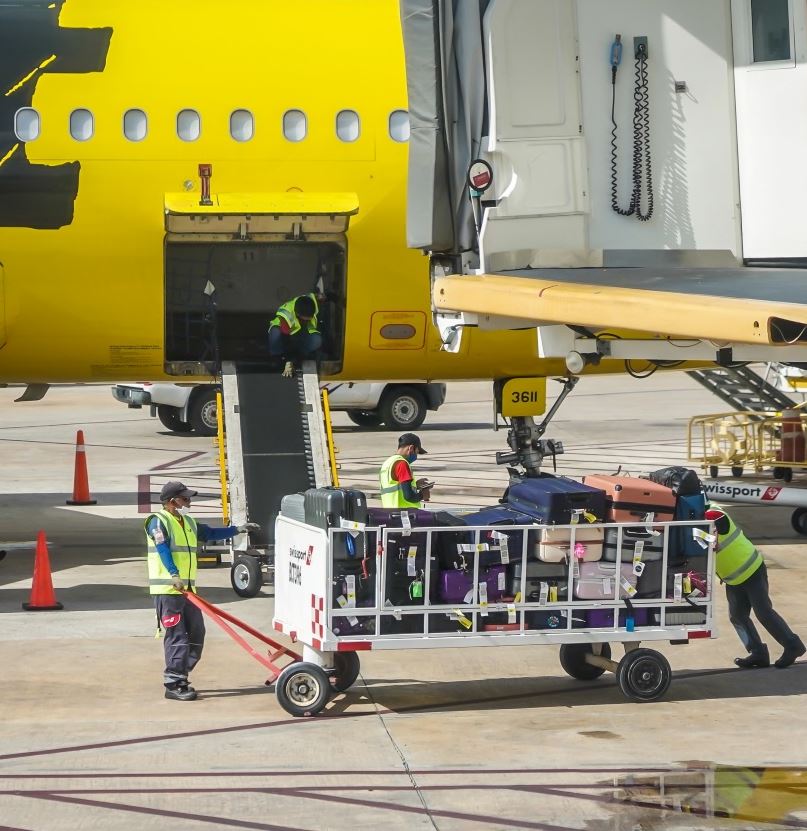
(183, 510)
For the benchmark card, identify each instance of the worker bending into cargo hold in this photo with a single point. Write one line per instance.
(741, 567)
(398, 488)
(294, 331)
(172, 536)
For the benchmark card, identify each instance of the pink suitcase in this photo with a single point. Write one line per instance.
(554, 544)
(630, 499)
(595, 581)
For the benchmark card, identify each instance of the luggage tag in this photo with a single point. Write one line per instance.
(350, 580)
(406, 524)
(517, 598)
(411, 561)
(352, 527)
(483, 599)
(627, 586)
(606, 585)
(344, 603)
(511, 612)
(469, 598)
(553, 593)
(577, 513)
(686, 584)
(544, 594)
(463, 621)
(472, 548)
(648, 525)
(500, 581)
(703, 538)
(678, 586)
(638, 565)
(504, 549)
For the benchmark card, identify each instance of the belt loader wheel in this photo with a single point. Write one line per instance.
(303, 689)
(573, 660)
(346, 667)
(245, 576)
(798, 520)
(644, 675)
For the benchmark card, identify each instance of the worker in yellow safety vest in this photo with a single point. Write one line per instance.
(398, 488)
(741, 567)
(172, 536)
(294, 330)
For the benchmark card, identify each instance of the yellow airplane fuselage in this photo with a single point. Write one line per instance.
(86, 301)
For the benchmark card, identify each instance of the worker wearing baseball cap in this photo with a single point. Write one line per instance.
(740, 565)
(398, 489)
(172, 536)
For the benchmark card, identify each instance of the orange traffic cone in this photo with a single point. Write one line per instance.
(42, 596)
(81, 484)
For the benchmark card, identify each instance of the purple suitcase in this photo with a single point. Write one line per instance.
(604, 618)
(456, 584)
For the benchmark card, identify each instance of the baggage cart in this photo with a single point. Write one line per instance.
(312, 602)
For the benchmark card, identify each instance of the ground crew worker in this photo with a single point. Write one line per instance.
(398, 489)
(741, 567)
(171, 536)
(294, 331)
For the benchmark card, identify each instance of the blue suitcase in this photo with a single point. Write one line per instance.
(691, 507)
(501, 515)
(552, 500)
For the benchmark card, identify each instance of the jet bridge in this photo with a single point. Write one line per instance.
(275, 444)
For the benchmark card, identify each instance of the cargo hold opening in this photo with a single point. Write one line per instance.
(257, 261)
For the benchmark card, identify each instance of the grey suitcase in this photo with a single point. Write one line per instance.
(293, 506)
(326, 508)
(653, 546)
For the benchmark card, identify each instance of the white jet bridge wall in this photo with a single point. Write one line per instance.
(693, 133)
(550, 126)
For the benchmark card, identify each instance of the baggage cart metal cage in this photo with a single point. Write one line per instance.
(308, 607)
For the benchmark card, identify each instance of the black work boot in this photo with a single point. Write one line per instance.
(792, 651)
(754, 661)
(180, 693)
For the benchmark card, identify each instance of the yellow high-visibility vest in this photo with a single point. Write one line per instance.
(392, 495)
(183, 542)
(737, 557)
(287, 312)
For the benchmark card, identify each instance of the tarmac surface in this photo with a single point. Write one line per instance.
(435, 739)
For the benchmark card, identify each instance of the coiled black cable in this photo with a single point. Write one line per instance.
(642, 165)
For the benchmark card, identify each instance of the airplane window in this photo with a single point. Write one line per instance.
(135, 125)
(294, 125)
(26, 124)
(242, 125)
(189, 125)
(399, 125)
(348, 125)
(81, 125)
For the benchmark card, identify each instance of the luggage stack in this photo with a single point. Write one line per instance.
(485, 563)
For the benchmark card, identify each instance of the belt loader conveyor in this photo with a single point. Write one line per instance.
(306, 610)
(275, 444)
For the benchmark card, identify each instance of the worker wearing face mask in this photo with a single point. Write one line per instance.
(172, 536)
(398, 488)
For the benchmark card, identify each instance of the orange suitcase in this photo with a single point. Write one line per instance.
(630, 499)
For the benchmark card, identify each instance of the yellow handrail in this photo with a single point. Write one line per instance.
(326, 412)
(225, 504)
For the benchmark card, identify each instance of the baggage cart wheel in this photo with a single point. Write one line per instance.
(346, 667)
(787, 474)
(714, 470)
(573, 660)
(737, 471)
(245, 576)
(644, 675)
(303, 689)
(798, 520)
(778, 472)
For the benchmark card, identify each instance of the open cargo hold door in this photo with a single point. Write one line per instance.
(259, 250)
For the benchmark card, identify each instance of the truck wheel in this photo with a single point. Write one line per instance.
(303, 689)
(245, 576)
(644, 675)
(346, 670)
(202, 413)
(169, 418)
(573, 660)
(403, 408)
(798, 520)
(364, 418)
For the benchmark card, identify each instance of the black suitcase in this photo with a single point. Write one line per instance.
(649, 583)
(682, 481)
(653, 545)
(327, 507)
(406, 589)
(552, 500)
(553, 574)
(514, 540)
(555, 619)
(447, 545)
(362, 576)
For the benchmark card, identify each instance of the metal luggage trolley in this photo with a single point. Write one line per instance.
(309, 607)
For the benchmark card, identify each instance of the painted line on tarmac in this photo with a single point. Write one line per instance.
(176, 462)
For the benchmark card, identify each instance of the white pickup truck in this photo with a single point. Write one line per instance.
(183, 408)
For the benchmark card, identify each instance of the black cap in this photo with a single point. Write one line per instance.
(173, 489)
(411, 438)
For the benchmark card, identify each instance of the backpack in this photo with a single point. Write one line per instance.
(682, 481)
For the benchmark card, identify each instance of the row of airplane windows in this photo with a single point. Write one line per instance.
(27, 125)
